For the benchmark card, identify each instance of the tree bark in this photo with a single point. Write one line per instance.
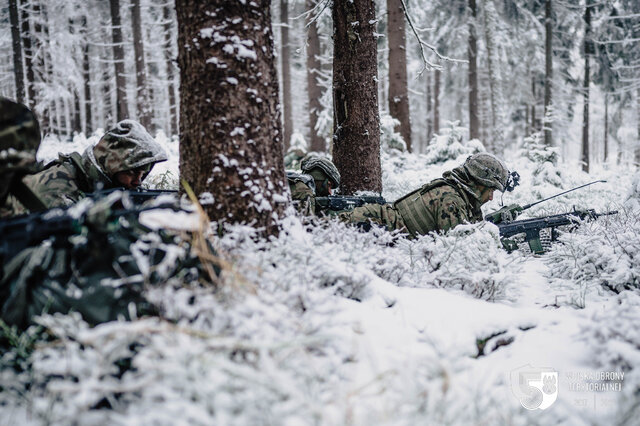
(398, 87)
(436, 102)
(231, 146)
(122, 109)
(16, 43)
(173, 106)
(585, 88)
(356, 119)
(548, 75)
(142, 91)
(28, 57)
(286, 73)
(534, 124)
(606, 127)
(86, 74)
(472, 54)
(429, 107)
(495, 78)
(314, 90)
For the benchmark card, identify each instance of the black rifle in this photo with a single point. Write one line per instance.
(344, 202)
(137, 196)
(532, 227)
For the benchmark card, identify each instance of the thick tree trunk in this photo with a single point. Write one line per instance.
(585, 88)
(231, 138)
(16, 43)
(286, 73)
(398, 87)
(86, 74)
(472, 54)
(28, 56)
(173, 106)
(356, 119)
(118, 60)
(548, 75)
(143, 99)
(314, 90)
(436, 102)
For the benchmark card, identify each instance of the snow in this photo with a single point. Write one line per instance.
(324, 324)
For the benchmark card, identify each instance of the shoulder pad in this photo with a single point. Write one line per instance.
(293, 177)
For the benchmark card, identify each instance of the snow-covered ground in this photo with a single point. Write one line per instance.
(328, 325)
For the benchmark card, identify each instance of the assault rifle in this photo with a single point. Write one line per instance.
(511, 212)
(137, 196)
(30, 230)
(344, 202)
(532, 227)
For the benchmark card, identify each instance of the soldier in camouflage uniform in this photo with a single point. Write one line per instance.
(319, 178)
(19, 141)
(123, 157)
(442, 203)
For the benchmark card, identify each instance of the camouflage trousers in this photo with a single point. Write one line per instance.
(383, 215)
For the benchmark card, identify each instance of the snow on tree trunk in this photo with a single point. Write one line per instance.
(398, 87)
(472, 56)
(28, 56)
(286, 74)
(16, 44)
(495, 78)
(436, 101)
(585, 87)
(548, 75)
(118, 61)
(356, 119)
(314, 90)
(143, 99)
(231, 147)
(173, 105)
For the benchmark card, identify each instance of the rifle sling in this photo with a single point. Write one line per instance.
(26, 196)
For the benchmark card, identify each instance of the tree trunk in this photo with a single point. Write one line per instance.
(143, 99)
(585, 88)
(231, 146)
(16, 43)
(173, 106)
(42, 63)
(28, 57)
(606, 127)
(86, 74)
(637, 147)
(534, 124)
(313, 87)
(436, 102)
(356, 119)
(118, 60)
(429, 107)
(398, 86)
(286, 73)
(472, 54)
(495, 78)
(548, 75)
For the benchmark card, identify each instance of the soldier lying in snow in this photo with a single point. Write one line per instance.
(123, 157)
(318, 179)
(442, 203)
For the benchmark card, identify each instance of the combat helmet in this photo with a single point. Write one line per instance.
(326, 166)
(487, 170)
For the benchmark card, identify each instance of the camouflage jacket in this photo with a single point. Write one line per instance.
(437, 206)
(303, 192)
(66, 180)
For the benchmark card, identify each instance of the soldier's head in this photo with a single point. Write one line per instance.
(488, 174)
(19, 142)
(127, 153)
(324, 173)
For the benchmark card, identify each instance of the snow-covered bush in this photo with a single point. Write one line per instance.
(598, 254)
(469, 257)
(632, 200)
(390, 140)
(544, 159)
(448, 145)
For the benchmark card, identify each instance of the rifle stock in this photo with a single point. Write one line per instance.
(343, 202)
